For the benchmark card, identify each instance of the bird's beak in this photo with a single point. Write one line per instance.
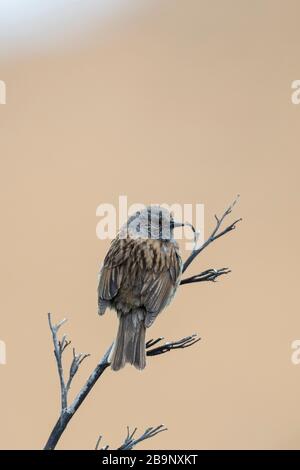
(178, 224)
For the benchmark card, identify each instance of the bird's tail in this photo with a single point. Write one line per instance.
(130, 342)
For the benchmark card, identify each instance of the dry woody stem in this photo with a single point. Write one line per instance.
(154, 347)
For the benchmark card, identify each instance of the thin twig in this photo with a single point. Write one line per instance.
(69, 412)
(98, 443)
(208, 275)
(166, 347)
(129, 441)
(77, 360)
(214, 235)
(58, 350)
(152, 342)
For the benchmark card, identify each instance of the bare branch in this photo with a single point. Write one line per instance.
(166, 347)
(59, 348)
(152, 342)
(77, 360)
(208, 275)
(68, 412)
(63, 344)
(129, 441)
(60, 323)
(58, 356)
(214, 235)
(98, 443)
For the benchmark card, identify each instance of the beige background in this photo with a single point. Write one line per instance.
(190, 102)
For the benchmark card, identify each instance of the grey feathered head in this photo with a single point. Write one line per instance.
(154, 222)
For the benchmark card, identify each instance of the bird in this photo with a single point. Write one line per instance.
(138, 279)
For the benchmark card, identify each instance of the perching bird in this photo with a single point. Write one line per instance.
(138, 279)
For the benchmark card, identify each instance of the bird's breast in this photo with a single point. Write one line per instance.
(146, 256)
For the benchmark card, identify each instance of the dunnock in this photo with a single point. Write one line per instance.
(138, 279)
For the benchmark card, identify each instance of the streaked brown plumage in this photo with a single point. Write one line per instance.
(138, 279)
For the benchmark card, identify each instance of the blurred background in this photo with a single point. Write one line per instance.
(162, 101)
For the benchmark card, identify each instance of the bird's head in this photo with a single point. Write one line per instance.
(152, 222)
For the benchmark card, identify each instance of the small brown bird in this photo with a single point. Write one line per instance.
(138, 279)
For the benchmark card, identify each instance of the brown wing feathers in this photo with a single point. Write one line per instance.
(138, 279)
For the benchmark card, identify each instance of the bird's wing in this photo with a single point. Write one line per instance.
(159, 287)
(111, 273)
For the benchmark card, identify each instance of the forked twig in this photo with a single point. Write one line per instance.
(214, 235)
(130, 442)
